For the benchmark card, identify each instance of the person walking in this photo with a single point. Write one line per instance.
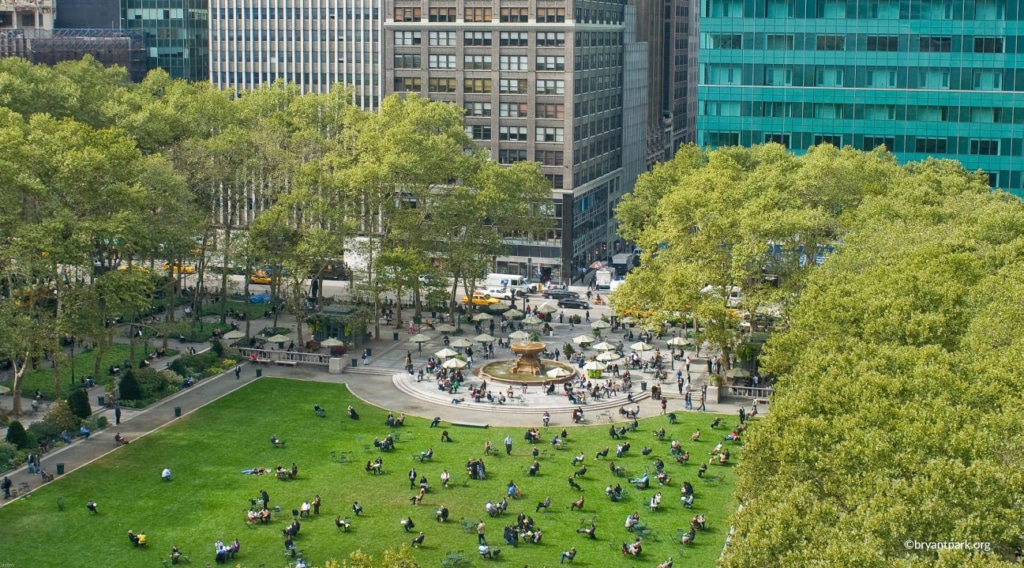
(366, 357)
(117, 414)
(480, 528)
(703, 397)
(664, 405)
(508, 441)
(238, 372)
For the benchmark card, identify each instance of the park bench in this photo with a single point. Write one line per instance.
(262, 361)
(284, 363)
(470, 424)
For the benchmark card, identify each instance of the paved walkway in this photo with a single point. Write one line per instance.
(383, 383)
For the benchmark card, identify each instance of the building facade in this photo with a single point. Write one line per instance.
(89, 14)
(940, 78)
(317, 45)
(176, 34)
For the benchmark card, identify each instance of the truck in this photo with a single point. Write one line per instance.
(518, 285)
(623, 263)
(603, 278)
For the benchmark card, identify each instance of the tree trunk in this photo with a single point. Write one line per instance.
(19, 376)
(398, 313)
(224, 277)
(248, 273)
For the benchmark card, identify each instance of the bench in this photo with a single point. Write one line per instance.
(470, 424)
(261, 361)
(761, 400)
(286, 363)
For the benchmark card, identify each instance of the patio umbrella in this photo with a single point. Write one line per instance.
(736, 372)
(278, 338)
(4, 390)
(234, 334)
(547, 309)
(418, 338)
(332, 342)
(484, 338)
(499, 306)
(604, 346)
(558, 372)
(531, 320)
(454, 364)
(595, 366)
(519, 335)
(445, 328)
(641, 346)
(462, 342)
(513, 314)
(679, 342)
(600, 324)
(596, 265)
(608, 357)
(628, 320)
(445, 353)
(481, 317)
(582, 339)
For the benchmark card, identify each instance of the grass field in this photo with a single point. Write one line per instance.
(209, 496)
(115, 354)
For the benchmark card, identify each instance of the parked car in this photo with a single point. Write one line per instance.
(558, 294)
(259, 277)
(573, 303)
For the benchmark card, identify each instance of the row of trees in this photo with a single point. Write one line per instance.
(107, 180)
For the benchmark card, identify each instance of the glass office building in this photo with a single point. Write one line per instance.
(940, 78)
(176, 34)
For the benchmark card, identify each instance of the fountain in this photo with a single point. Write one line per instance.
(527, 367)
(528, 357)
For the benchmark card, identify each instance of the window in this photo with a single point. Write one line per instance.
(442, 39)
(479, 132)
(880, 112)
(937, 10)
(512, 110)
(930, 146)
(779, 42)
(478, 109)
(478, 61)
(985, 115)
(988, 45)
(831, 8)
(441, 85)
(828, 78)
(477, 38)
(831, 43)
(550, 157)
(442, 61)
(550, 15)
(778, 110)
(441, 15)
(778, 76)
(836, 141)
(872, 142)
(511, 86)
(715, 108)
(723, 41)
(550, 87)
(514, 39)
(477, 14)
(478, 86)
(515, 15)
(551, 63)
(884, 9)
(883, 43)
(717, 75)
(550, 39)
(989, 9)
(777, 139)
(718, 139)
(987, 80)
(828, 110)
(408, 14)
(408, 84)
(512, 133)
(408, 38)
(549, 134)
(514, 62)
(885, 78)
(407, 61)
(985, 147)
(780, 9)
(932, 44)
(506, 156)
(556, 183)
(723, 8)
(551, 110)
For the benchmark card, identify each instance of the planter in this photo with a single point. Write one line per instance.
(712, 397)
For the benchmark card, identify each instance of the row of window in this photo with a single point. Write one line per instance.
(901, 144)
(505, 86)
(863, 42)
(295, 35)
(864, 77)
(291, 13)
(985, 10)
(884, 112)
(515, 110)
(517, 133)
(508, 39)
(505, 15)
(480, 62)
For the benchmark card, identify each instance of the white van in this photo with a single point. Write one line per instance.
(517, 284)
(503, 293)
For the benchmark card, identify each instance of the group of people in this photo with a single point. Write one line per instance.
(226, 552)
(385, 445)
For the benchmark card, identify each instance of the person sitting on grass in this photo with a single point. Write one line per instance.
(441, 514)
(289, 545)
(352, 413)
(342, 523)
(275, 441)
(418, 541)
(166, 474)
(319, 410)
(534, 468)
(175, 555)
(133, 537)
(407, 524)
(632, 549)
(569, 554)
(590, 531)
(688, 537)
(357, 508)
(488, 552)
(429, 454)
(632, 521)
(698, 522)
(666, 564)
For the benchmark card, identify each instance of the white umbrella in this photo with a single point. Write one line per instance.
(641, 346)
(608, 356)
(484, 338)
(481, 317)
(454, 364)
(604, 346)
(4, 390)
(445, 353)
(532, 321)
(519, 335)
(234, 334)
(332, 342)
(600, 324)
(278, 338)
(595, 366)
(499, 306)
(547, 309)
(679, 342)
(558, 372)
(419, 338)
(462, 342)
(513, 314)
(737, 372)
(628, 320)
(445, 328)
(582, 339)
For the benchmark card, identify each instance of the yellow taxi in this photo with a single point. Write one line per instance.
(259, 277)
(179, 269)
(481, 299)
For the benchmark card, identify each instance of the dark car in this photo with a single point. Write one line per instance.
(559, 293)
(573, 303)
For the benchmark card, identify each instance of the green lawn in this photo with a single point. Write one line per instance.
(116, 354)
(209, 495)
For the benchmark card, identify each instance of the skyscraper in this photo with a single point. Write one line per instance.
(318, 45)
(176, 34)
(938, 78)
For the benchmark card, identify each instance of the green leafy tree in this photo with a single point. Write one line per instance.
(78, 402)
(17, 435)
(61, 417)
(128, 388)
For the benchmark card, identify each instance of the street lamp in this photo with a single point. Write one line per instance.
(72, 359)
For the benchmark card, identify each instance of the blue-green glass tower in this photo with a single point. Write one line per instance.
(942, 78)
(177, 34)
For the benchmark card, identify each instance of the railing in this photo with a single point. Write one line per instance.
(274, 355)
(750, 392)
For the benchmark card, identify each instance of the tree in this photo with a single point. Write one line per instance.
(78, 402)
(17, 435)
(128, 388)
